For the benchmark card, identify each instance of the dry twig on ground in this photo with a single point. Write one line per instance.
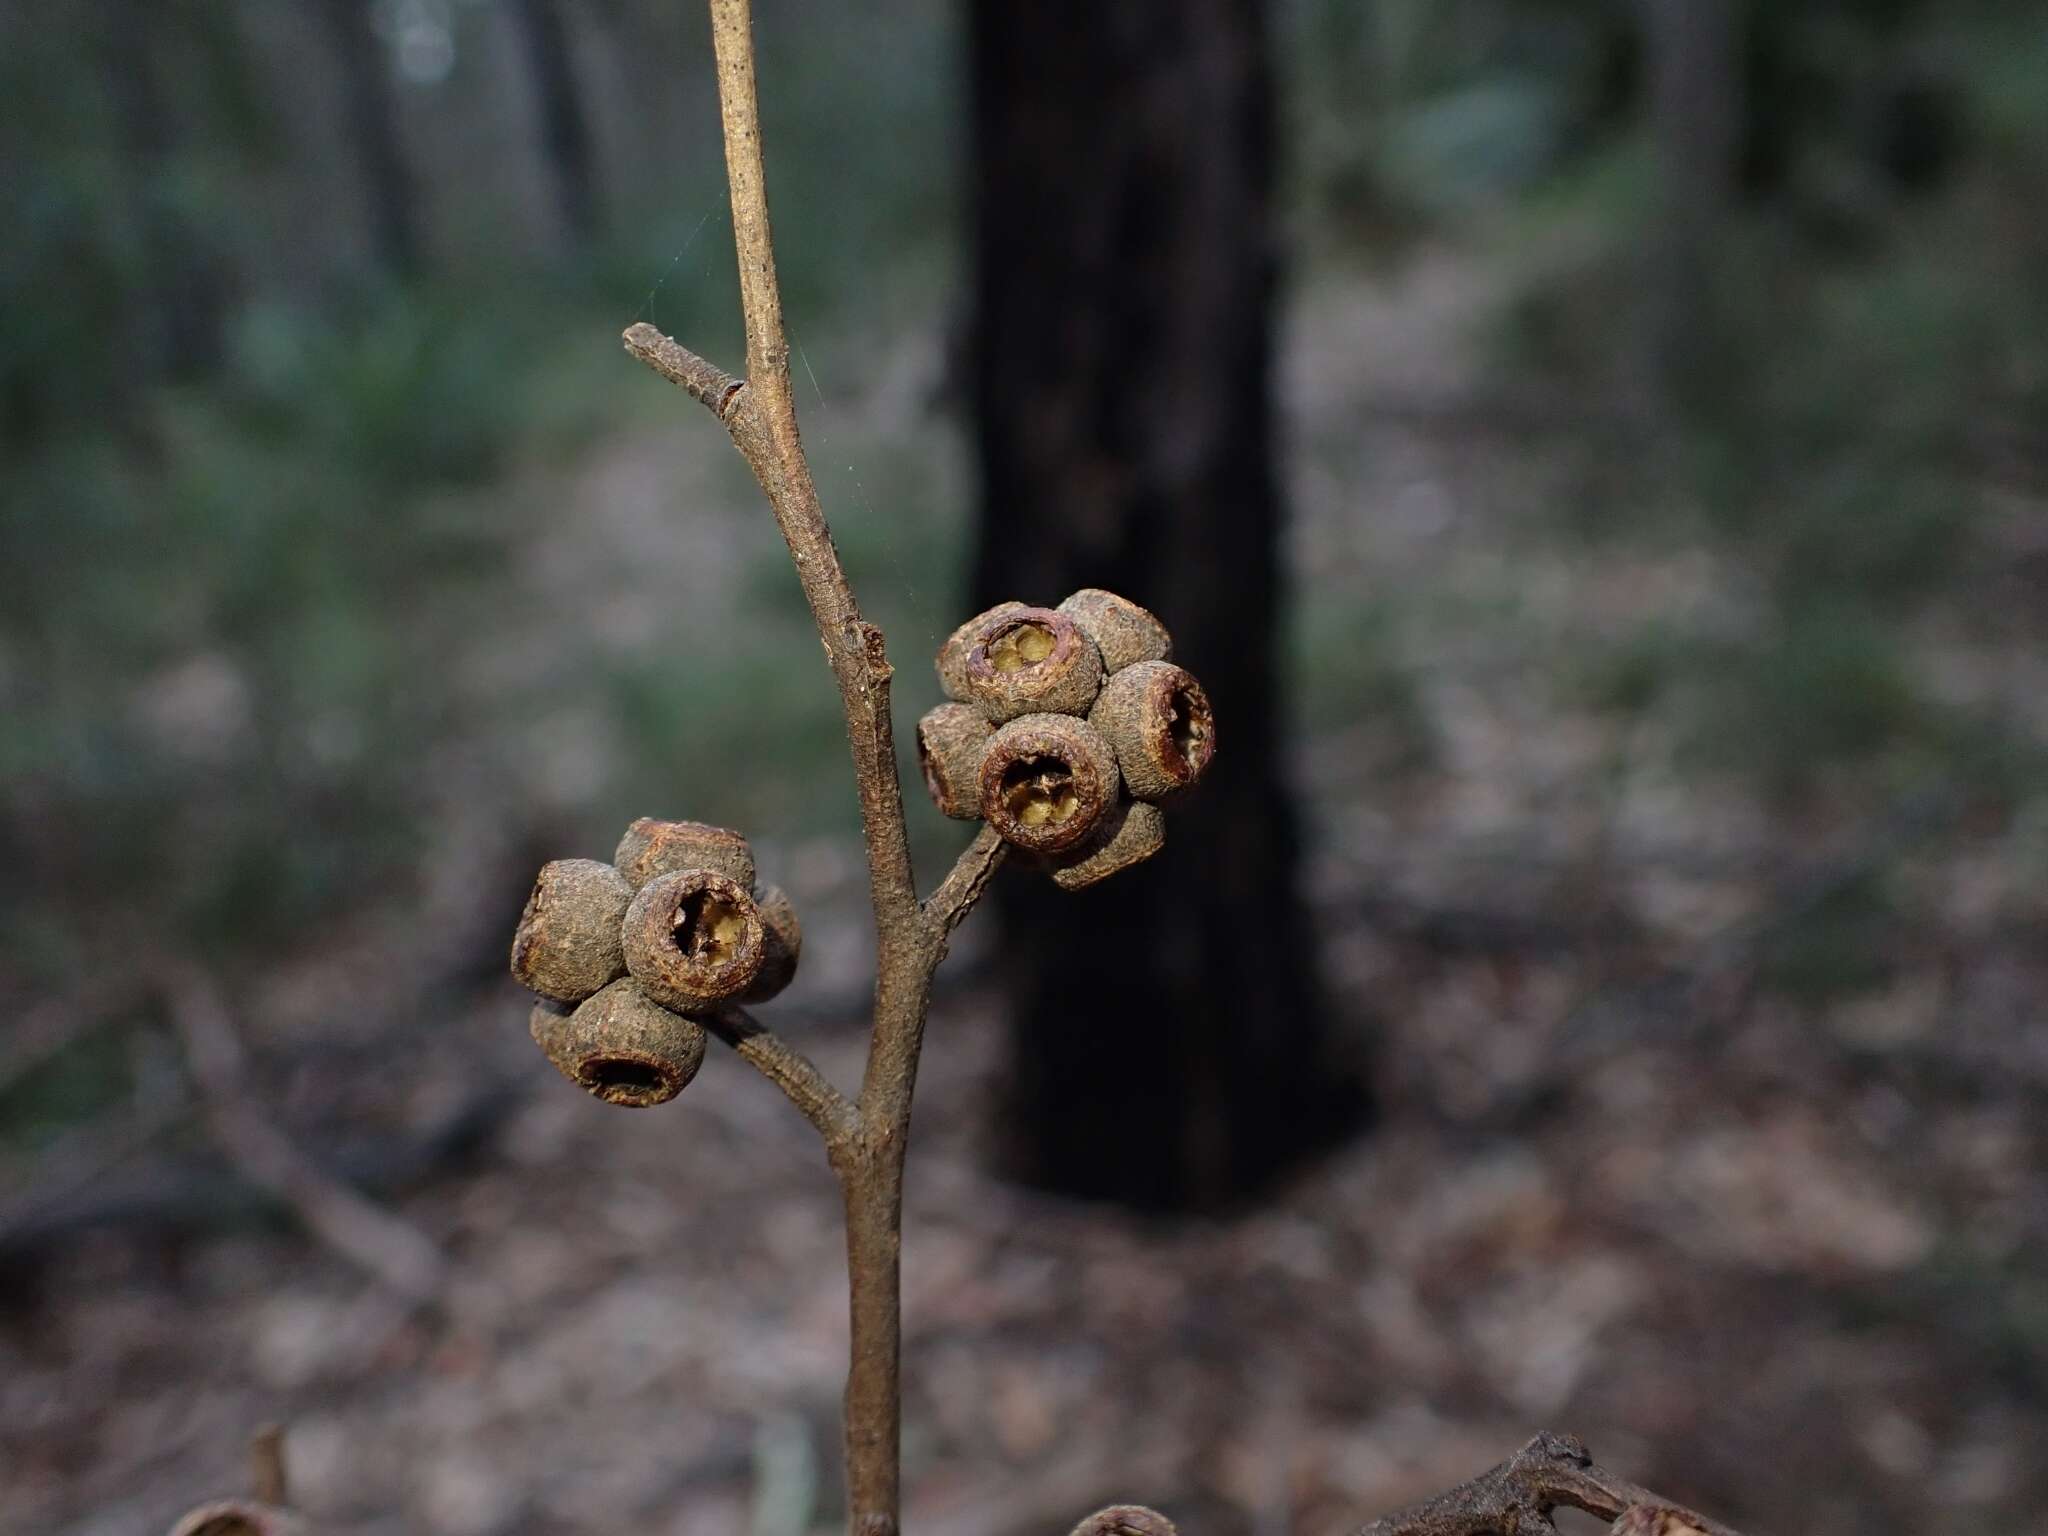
(1515, 1498)
(1550, 1472)
(397, 1253)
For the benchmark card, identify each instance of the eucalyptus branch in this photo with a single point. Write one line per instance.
(766, 411)
(705, 382)
(866, 1143)
(948, 906)
(1052, 711)
(788, 1069)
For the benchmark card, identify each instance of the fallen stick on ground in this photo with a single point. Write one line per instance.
(366, 1234)
(1516, 1499)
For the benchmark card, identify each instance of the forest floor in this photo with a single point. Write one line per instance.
(1657, 1165)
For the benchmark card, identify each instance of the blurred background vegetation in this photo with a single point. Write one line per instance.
(337, 526)
(307, 306)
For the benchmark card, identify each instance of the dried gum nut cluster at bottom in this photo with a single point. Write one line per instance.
(1067, 731)
(624, 954)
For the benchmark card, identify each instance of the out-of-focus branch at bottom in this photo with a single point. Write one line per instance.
(1515, 1498)
(1552, 1471)
(396, 1252)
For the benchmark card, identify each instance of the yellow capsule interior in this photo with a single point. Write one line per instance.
(708, 928)
(1039, 792)
(1020, 646)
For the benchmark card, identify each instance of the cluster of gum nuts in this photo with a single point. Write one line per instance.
(627, 957)
(1068, 730)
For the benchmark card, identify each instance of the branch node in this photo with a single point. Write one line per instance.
(876, 651)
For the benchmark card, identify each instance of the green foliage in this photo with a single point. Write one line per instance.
(216, 671)
(411, 396)
(1842, 464)
(1411, 113)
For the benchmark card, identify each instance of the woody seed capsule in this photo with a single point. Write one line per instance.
(567, 943)
(694, 937)
(1125, 1520)
(1130, 834)
(952, 658)
(1032, 661)
(950, 742)
(1157, 718)
(1046, 783)
(239, 1517)
(1122, 631)
(653, 847)
(622, 1046)
(782, 944)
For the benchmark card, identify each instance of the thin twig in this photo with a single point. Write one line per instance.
(788, 1069)
(268, 1480)
(265, 1512)
(1552, 1471)
(946, 907)
(704, 382)
(762, 418)
(395, 1251)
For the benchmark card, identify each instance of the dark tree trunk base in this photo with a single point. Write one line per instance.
(1171, 1044)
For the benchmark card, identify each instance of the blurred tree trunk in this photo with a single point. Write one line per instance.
(564, 130)
(180, 282)
(1170, 1046)
(373, 126)
(1693, 52)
